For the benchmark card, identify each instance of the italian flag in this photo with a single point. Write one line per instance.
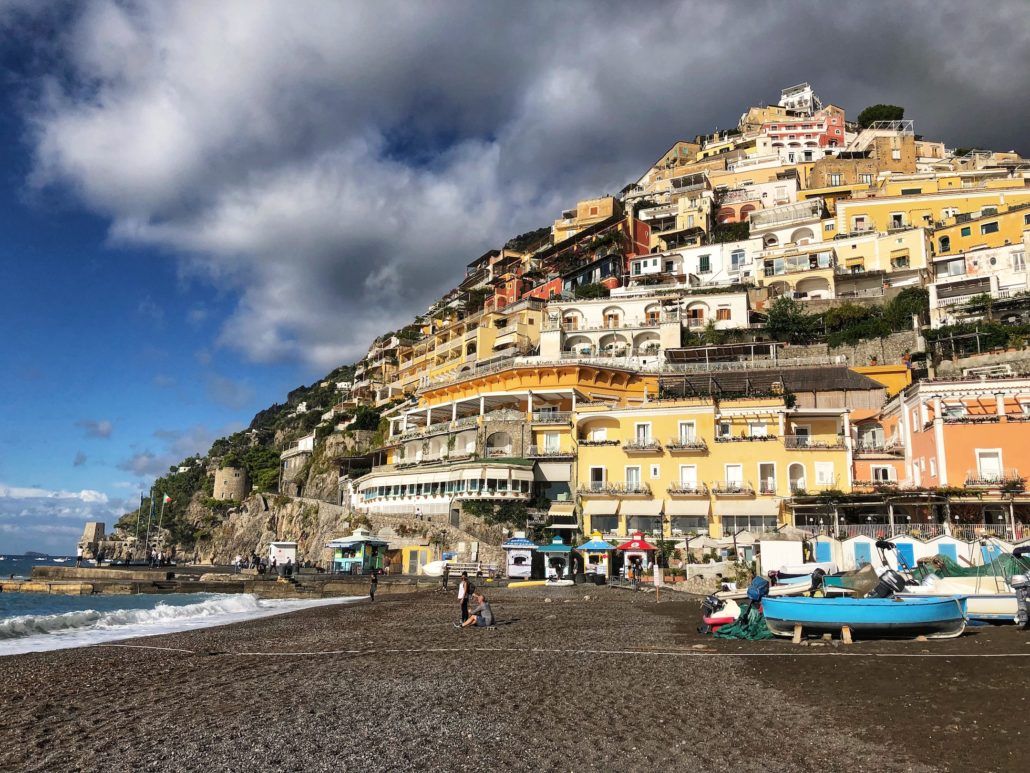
(166, 499)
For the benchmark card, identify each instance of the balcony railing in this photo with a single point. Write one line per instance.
(552, 417)
(974, 419)
(588, 442)
(744, 438)
(808, 443)
(616, 489)
(541, 452)
(1006, 479)
(688, 490)
(872, 447)
(498, 452)
(642, 446)
(732, 488)
(687, 445)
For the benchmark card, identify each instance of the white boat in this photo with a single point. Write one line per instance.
(42, 559)
(988, 597)
(778, 591)
(60, 560)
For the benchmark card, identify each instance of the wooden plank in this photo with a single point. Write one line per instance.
(845, 634)
(797, 634)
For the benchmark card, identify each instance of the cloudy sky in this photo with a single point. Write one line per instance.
(206, 204)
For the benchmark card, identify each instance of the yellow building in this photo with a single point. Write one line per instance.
(586, 214)
(887, 213)
(989, 227)
(702, 466)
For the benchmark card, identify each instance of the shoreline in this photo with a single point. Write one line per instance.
(584, 680)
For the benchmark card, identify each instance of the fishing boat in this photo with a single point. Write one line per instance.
(938, 617)
(793, 573)
(60, 560)
(780, 591)
(988, 599)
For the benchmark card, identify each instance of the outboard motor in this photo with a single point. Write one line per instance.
(817, 579)
(709, 609)
(758, 589)
(1021, 585)
(891, 582)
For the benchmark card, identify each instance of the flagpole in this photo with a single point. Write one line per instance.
(150, 518)
(139, 513)
(160, 520)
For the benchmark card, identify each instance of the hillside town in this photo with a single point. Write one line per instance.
(807, 320)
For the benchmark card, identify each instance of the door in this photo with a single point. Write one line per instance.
(632, 478)
(823, 551)
(906, 555)
(734, 474)
(552, 442)
(596, 478)
(688, 477)
(767, 478)
(989, 464)
(863, 554)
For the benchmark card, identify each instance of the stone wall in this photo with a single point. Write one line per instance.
(887, 351)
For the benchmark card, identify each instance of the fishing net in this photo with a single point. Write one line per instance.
(750, 626)
(1004, 565)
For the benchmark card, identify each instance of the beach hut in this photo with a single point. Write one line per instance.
(360, 553)
(519, 555)
(556, 559)
(637, 549)
(597, 555)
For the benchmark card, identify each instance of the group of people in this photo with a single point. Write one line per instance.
(481, 615)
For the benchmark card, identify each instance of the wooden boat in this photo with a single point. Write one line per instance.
(778, 591)
(938, 617)
(792, 573)
(988, 598)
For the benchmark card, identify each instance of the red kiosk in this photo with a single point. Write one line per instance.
(638, 554)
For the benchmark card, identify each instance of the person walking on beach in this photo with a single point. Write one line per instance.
(464, 592)
(373, 585)
(446, 575)
(78, 559)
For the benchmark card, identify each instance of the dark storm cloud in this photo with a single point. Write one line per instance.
(338, 163)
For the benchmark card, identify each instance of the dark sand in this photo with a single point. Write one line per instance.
(596, 694)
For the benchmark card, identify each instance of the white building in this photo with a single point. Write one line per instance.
(800, 98)
(999, 272)
(709, 265)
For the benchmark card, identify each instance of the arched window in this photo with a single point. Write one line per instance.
(945, 244)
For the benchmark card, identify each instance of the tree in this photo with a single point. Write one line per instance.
(880, 113)
(596, 290)
(365, 418)
(787, 321)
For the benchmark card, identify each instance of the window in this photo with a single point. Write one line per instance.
(954, 410)
(988, 464)
(767, 478)
(757, 429)
(593, 210)
(670, 266)
(859, 223)
(722, 429)
(988, 211)
(688, 432)
(881, 474)
(824, 473)
(704, 264)
(911, 191)
(598, 434)
(966, 231)
(865, 178)
(896, 154)
(643, 433)
(989, 228)
(655, 471)
(897, 220)
(636, 267)
(736, 259)
(945, 243)
(552, 442)
(1018, 261)
(933, 468)
(734, 473)
(632, 478)
(597, 478)
(723, 314)
(835, 179)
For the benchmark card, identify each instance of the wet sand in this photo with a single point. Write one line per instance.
(571, 684)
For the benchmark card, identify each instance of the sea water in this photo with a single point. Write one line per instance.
(34, 622)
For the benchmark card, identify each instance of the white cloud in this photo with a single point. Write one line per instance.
(96, 428)
(336, 164)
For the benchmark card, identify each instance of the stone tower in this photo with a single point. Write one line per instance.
(232, 483)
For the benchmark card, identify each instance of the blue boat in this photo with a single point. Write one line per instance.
(938, 617)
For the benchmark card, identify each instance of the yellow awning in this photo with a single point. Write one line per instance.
(694, 507)
(561, 508)
(650, 507)
(601, 507)
(747, 507)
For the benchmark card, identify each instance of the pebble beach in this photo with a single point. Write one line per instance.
(580, 678)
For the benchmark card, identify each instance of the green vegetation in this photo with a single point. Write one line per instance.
(365, 418)
(530, 241)
(875, 113)
(590, 291)
(729, 232)
(507, 513)
(787, 321)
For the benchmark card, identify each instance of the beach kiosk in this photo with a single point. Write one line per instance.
(597, 555)
(637, 550)
(519, 554)
(556, 559)
(360, 553)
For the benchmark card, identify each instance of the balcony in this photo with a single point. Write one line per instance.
(808, 443)
(688, 490)
(642, 447)
(972, 419)
(598, 488)
(733, 488)
(587, 442)
(745, 438)
(552, 417)
(1007, 479)
(541, 452)
(687, 445)
(498, 452)
(891, 448)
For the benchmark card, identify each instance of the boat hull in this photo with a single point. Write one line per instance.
(938, 617)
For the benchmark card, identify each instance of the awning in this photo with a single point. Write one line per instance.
(695, 507)
(637, 543)
(643, 507)
(748, 507)
(561, 508)
(601, 507)
(557, 472)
